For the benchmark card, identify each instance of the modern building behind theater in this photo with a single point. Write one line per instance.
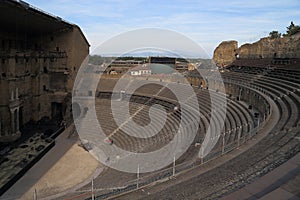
(162, 65)
(40, 55)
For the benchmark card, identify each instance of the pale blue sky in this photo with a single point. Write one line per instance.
(207, 22)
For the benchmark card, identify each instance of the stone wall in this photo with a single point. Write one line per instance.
(225, 53)
(36, 78)
(285, 47)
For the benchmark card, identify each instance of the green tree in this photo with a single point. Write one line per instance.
(292, 29)
(274, 34)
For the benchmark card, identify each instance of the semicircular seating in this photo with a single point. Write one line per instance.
(237, 117)
(263, 84)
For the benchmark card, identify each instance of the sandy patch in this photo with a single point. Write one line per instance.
(72, 169)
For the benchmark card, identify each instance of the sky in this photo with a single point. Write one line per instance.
(206, 22)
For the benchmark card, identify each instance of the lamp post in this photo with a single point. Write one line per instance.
(239, 135)
(34, 195)
(138, 176)
(174, 166)
(93, 196)
(240, 94)
(223, 143)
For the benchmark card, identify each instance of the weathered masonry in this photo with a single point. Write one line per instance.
(40, 55)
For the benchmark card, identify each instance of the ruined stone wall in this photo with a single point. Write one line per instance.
(286, 47)
(225, 53)
(34, 73)
(77, 58)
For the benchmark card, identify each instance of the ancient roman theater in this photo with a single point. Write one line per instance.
(232, 129)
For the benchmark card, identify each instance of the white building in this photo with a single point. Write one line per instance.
(140, 70)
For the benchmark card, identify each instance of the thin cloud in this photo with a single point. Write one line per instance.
(207, 22)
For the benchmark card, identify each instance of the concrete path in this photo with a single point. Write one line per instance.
(62, 168)
(281, 183)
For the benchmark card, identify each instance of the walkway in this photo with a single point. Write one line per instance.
(65, 166)
(281, 183)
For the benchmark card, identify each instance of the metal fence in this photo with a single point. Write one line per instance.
(169, 172)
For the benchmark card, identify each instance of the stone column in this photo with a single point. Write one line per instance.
(17, 128)
(12, 96)
(17, 93)
(12, 120)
